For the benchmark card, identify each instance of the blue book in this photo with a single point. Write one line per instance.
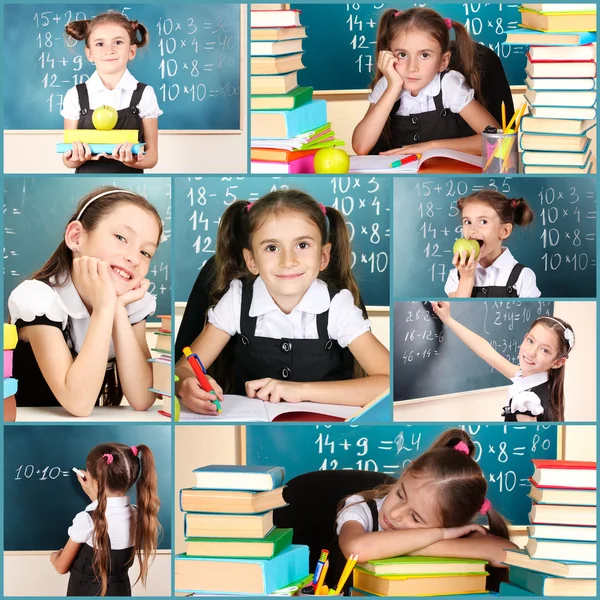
(284, 124)
(540, 584)
(245, 577)
(99, 148)
(10, 387)
(508, 589)
(249, 478)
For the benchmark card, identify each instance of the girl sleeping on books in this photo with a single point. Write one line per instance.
(416, 104)
(111, 41)
(537, 390)
(489, 217)
(285, 291)
(106, 537)
(82, 316)
(430, 511)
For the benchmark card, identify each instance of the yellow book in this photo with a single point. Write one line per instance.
(10, 336)
(96, 136)
(558, 22)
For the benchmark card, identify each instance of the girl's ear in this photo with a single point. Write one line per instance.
(445, 61)
(559, 362)
(505, 230)
(88, 53)
(74, 235)
(325, 256)
(249, 260)
(132, 52)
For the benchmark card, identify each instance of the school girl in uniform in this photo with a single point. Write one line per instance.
(489, 217)
(111, 41)
(286, 293)
(106, 537)
(81, 318)
(416, 104)
(537, 390)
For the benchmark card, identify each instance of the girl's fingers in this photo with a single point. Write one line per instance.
(216, 387)
(253, 386)
(456, 259)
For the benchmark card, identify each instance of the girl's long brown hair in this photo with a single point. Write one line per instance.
(515, 211)
(117, 476)
(81, 30)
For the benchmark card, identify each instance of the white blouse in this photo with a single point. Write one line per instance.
(355, 509)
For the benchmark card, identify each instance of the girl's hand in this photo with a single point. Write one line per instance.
(122, 153)
(94, 282)
(137, 293)
(80, 153)
(54, 556)
(273, 390)
(450, 533)
(441, 309)
(196, 399)
(466, 263)
(387, 64)
(410, 149)
(89, 486)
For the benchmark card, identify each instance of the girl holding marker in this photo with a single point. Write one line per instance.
(111, 41)
(106, 537)
(81, 318)
(286, 293)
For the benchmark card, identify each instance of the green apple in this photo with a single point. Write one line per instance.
(105, 118)
(468, 245)
(332, 160)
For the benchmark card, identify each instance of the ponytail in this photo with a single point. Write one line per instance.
(515, 211)
(101, 564)
(464, 59)
(81, 30)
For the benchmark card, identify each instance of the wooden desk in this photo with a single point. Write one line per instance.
(112, 414)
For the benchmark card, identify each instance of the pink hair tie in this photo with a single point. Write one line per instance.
(249, 206)
(109, 458)
(323, 209)
(397, 13)
(514, 203)
(448, 23)
(134, 450)
(485, 507)
(134, 25)
(462, 447)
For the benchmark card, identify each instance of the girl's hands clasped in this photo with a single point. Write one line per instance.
(137, 293)
(273, 390)
(196, 399)
(93, 282)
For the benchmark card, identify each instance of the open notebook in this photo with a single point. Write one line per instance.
(248, 410)
(381, 164)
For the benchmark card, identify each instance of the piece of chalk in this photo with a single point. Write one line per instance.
(79, 472)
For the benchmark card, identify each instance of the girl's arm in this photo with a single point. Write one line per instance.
(63, 559)
(475, 342)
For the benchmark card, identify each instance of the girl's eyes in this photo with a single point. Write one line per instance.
(146, 254)
(120, 237)
(414, 518)
(425, 55)
(271, 248)
(303, 245)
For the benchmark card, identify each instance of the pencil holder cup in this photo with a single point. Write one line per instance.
(500, 153)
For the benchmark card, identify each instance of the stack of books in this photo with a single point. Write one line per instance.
(162, 369)
(100, 140)
(287, 126)
(419, 576)
(10, 384)
(561, 86)
(560, 556)
(232, 544)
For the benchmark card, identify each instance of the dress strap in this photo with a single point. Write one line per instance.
(515, 274)
(439, 104)
(247, 323)
(136, 97)
(84, 98)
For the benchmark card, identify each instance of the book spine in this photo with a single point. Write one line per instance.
(99, 148)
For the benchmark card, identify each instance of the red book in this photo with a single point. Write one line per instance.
(564, 474)
(560, 68)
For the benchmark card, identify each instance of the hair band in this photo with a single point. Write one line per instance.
(397, 13)
(448, 23)
(249, 206)
(109, 458)
(106, 193)
(568, 332)
(514, 203)
(485, 507)
(462, 447)
(323, 209)
(134, 450)
(134, 25)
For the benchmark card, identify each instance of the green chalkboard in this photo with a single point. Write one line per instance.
(36, 211)
(192, 62)
(365, 201)
(42, 494)
(429, 360)
(339, 53)
(559, 246)
(504, 453)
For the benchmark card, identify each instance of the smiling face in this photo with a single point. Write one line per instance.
(409, 505)
(539, 351)
(420, 59)
(481, 222)
(109, 48)
(288, 255)
(126, 238)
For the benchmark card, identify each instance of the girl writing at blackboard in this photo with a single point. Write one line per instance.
(537, 390)
(106, 537)
(286, 293)
(111, 41)
(488, 217)
(416, 104)
(430, 511)
(81, 318)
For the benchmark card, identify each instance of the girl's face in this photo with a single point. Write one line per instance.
(539, 351)
(481, 222)
(125, 238)
(109, 48)
(420, 59)
(288, 255)
(409, 505)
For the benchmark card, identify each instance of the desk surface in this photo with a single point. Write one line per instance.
(112, 414)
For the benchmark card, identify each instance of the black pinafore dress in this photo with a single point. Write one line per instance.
(500, 291)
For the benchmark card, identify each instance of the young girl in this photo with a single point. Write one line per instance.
(105, 538)
(415, 103)
(429, 511)
(488, 217)
(81, 318)
(111, 41)
(286, 293)
(537, 392)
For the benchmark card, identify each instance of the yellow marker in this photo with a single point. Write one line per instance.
(503, 117)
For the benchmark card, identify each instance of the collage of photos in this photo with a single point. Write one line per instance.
(299, 299)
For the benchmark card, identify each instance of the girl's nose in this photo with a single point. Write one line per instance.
(288, 258)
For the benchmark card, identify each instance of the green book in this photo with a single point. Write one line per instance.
(423, 565)
(272, 545)
(294, 99)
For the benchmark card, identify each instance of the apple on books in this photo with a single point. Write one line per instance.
(105, 118)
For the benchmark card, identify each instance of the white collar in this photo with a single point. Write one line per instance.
(127, 82)
(315, 300)
(521, 383)
(432, 89)
(117, 502)
(506, 261)
(71, 299)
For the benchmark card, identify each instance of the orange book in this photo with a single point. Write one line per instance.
(279, 155)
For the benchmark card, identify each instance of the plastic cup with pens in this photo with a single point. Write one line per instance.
(499, 146)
